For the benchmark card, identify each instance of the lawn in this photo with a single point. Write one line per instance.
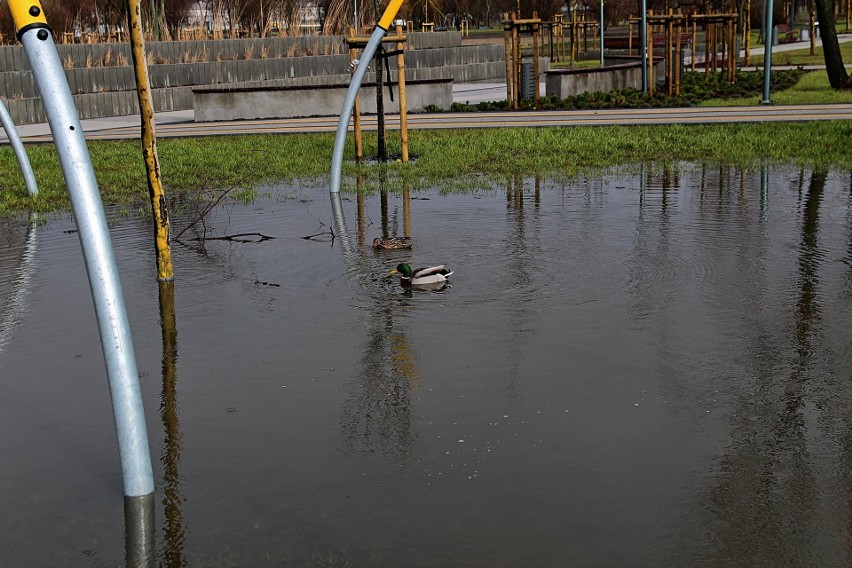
(450, 160)
(812, 88)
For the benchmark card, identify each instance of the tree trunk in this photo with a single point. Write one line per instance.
(838, 78)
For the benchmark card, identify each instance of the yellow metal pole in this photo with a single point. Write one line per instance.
(159, 205)
(389, 14)
(403, 112)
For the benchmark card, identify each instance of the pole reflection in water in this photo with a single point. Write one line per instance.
(768, 502)
(521, 249)
(139, 547)
(173, 530)
(15, 304)
(377, 412)
(764, 192)
(362, 222)
(406, 209)
(384, 201)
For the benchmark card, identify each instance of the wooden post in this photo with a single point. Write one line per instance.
(669, 62)
(403, 111)
(747, 34)
(678, 52)
(629, 37)
(550, 40)
(732, 69)
(708, 32)
(356, 111)
(650, 44)
(694, 44)
(535, 61)
(159, 204)
(516, 65)
(575, 42)
(507, 37)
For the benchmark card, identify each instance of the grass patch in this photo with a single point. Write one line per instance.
(446, 159)
(811, 89)
(803, 56)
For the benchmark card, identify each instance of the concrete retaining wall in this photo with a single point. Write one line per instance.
(323, 100)
(563, 83)
(111, 91)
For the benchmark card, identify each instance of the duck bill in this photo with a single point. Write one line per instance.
(394, 271)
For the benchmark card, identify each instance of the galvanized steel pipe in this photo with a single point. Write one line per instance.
(18, 148)
(113, 325)
(346, 112)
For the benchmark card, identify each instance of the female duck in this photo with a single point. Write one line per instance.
(422, 276)
(392, 243)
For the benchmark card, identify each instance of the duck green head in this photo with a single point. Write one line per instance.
(403, 269)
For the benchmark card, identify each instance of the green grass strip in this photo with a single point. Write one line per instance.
(445, 159)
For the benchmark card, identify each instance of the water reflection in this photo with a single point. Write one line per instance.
(173, 530)
(377, 413)
(521, 251)
(18, 290)
(768, 501)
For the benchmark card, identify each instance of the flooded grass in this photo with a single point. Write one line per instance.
(640, 369)
(446, 159)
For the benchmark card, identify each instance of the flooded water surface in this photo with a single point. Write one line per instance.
(640, 370)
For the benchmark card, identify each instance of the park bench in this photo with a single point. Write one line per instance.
(786, 34)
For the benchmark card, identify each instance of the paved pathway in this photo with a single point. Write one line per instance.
(180, 123)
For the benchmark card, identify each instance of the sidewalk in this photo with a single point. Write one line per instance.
(462, 93)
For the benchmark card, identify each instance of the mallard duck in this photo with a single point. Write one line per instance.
(422, 276)
(392, 243)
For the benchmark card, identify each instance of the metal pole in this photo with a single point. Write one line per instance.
(140, 550)
(769, 36)
(643, 39)
(346, 112)
(18, 148)
(602, 33)
(35, 35)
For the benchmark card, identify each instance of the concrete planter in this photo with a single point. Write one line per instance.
(317, 100)
(565, 83)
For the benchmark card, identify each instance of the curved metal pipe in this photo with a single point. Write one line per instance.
(348, 103)
(18, 147)
(346, 113)
(116, 341)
